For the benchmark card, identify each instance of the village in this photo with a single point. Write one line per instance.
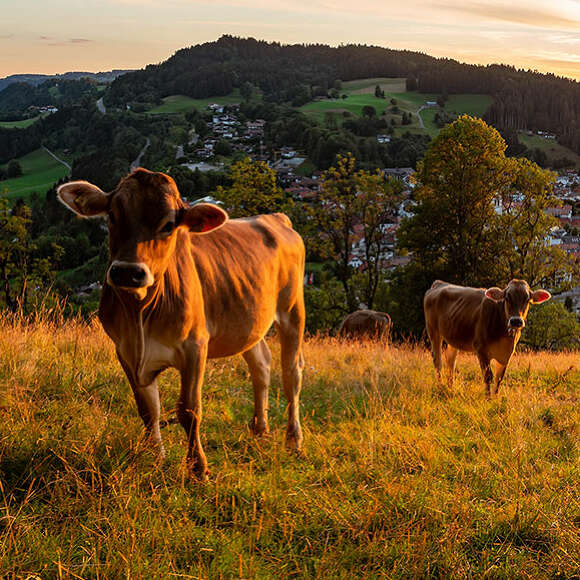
(248, 138)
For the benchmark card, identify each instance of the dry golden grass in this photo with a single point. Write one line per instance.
(400, 477)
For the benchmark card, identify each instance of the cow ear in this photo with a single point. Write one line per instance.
(84, 198)
(495, 294)
(540, 296)
(204, 217)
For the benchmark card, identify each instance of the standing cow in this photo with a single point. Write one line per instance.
(366, 324)
(487, 322)
(185, 284)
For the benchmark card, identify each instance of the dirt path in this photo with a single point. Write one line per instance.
(137, 162)
(57, 158)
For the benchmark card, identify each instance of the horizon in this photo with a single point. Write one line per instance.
(130, 34)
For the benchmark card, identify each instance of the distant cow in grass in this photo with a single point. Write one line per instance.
(487, 322)
(366, 325)
(184, 284)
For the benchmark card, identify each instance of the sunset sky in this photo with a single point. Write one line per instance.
(55, 36)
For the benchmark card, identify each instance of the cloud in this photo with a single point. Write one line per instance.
(518, 13)
(51, 41)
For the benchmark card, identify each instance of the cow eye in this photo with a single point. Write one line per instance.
(167, 228)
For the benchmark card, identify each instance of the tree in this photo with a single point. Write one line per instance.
(453, 233)
(552, 327)
(22, 269)
(13, 169)
(525, 223)
(223, 147)
(442, 99)
(253, 189)
(369, 111)
(354, 206)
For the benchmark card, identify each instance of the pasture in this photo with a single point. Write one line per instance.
(183, 104)
(19, 124)
(399, 478)
(360, 93)
(551, 147)
(40, 172)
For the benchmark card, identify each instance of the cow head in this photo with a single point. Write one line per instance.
(516, 298)
(145, 215)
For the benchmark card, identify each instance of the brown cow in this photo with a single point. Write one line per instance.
(366, 324)
(487, 322)
(174, 297)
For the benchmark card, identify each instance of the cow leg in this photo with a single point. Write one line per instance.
(291, 328)
(499, 374)
(189, 410)
(259, 359)
(484, 363)
(451, 357)
(436, 344)
(149, 407)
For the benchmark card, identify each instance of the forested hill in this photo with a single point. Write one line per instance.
(297, 73)
(282, 72)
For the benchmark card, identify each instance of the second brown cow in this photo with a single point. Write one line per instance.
(487, 322)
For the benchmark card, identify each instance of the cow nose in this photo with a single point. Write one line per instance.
(127, 275)
(517, 322)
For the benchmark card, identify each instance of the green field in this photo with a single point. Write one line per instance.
(400, 477)
(40, 172)
(551, 147)
(361, 93)
(183, 104)
(19, 124)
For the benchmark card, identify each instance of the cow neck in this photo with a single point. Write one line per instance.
(499, 320)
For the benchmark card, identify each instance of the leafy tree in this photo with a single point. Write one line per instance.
(23, 270)
(524, 224)
(351, 201)
(369, 111)
(223, 147)
(442, 99)
(453, 233)
(253, 189)
(13, 169)
(550, 326)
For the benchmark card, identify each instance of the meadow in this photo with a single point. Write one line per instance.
(400, 477)
(551, 147)
(183, 104)
(361, 93)
(19, 124)
(40, 172)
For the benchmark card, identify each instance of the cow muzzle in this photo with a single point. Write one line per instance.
(516, 323)
(133, 277)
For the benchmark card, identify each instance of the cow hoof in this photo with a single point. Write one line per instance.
(294, 442)
(196, 474)
(258, 428)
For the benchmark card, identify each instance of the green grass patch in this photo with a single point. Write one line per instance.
(551, 147)
(183, 104)
(360, 93)
(19, 124)
(40, 172)
(400, 478)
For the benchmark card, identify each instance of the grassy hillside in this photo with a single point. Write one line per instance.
(19, 124)
(40, 172)
(399, 478)
(182, 104)
(361, 92)
(551, 147)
